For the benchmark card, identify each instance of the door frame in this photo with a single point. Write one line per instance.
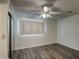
(10, 30)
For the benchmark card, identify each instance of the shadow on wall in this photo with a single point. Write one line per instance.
(3, 1)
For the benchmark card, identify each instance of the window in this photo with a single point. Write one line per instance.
(27, 27)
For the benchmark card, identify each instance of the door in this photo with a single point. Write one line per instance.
(3, 32)
(0, 41)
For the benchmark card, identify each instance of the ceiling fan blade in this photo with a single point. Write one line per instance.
(35, 13)
(55, 13)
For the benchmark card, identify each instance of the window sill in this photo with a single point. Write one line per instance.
(31, 35)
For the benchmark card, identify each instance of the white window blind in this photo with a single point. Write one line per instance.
(32, 27)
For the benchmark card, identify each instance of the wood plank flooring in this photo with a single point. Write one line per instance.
(54, 51)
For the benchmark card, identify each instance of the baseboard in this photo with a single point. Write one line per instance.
(69, 47)
(73, 50)
(34, 46)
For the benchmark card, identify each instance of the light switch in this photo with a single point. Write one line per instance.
(3, 36)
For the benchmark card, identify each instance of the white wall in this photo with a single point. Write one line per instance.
(68, 32)
(4, 30)
(32, 41)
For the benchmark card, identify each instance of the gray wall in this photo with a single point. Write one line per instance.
(32, 41)
(68, 32)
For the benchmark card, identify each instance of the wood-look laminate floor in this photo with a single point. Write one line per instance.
(54, 51)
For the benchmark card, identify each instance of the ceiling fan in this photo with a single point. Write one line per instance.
(47, 12)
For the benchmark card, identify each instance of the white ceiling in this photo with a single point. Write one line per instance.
(3, 1)
(68, 5)
(35, 5)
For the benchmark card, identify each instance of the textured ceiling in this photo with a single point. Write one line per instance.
(29, 5)
(3, 1)
(36, 5)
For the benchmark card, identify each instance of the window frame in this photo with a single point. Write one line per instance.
(42, 34)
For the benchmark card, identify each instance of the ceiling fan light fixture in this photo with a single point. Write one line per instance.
(43, 15)
(46, 9)
(46, 16)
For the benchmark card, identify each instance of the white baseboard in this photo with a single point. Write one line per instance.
(34, 46)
